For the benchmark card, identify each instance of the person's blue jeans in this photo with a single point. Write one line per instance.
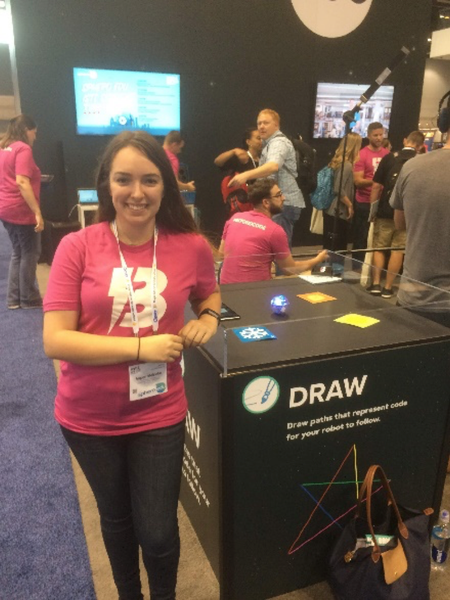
(287, 219)
(23, 289)
(136, 479)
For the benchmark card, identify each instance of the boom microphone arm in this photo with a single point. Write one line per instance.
(349, 116)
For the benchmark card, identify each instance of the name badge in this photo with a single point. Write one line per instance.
(147, 380)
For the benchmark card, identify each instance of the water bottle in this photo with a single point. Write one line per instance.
(440, 541)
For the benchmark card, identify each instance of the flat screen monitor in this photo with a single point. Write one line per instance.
(333, 99)
(108, 102)
(87, 196)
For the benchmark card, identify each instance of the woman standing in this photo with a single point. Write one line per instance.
(114, 314)
(345, 204)
(239, 160)
(20, 183)
(236, 161)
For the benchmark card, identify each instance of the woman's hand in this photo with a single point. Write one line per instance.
(198, 331)
(39, 222)
(27, 194)
(160, 348)
(241, 155)
(349, 204)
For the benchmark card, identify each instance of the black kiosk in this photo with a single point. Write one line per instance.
(280, 430)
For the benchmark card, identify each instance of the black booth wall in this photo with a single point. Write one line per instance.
(234, 56)
(6, 86)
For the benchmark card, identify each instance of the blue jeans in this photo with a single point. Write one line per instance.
(287, 219)
(136, 479)
(22, 285)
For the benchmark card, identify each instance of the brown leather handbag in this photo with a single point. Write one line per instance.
(390, 559)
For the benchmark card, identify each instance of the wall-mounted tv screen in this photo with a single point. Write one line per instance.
(108, 102)
(333, 99)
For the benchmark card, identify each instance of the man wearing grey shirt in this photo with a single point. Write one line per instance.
(277, 161)
(421, 205)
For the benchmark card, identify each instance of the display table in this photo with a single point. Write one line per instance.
(53, 233)
(82, 209)
(280, 430)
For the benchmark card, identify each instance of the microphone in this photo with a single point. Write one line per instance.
(384, 75)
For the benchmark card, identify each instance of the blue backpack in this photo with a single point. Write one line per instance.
(323, 195)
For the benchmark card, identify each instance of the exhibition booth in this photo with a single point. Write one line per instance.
(287, 409)
(308, 380)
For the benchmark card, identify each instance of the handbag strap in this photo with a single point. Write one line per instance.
(366, 490)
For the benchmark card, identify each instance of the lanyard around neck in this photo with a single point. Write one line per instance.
(129, 285)
(252, 159)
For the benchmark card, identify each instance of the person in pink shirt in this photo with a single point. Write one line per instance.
(114, 316)
(20, 183)
(251, 241)
(173, 145)
(363, 172)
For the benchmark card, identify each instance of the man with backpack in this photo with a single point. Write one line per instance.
(278, 161)
(305, 157)
(385, 235)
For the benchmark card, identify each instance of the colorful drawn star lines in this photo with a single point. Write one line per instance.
(298, 543)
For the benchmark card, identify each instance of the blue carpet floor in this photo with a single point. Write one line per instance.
(43, 553)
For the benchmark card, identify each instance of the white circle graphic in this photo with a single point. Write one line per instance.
(261, 394)
(332, 18)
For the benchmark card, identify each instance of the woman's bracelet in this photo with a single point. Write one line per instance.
(139, 348)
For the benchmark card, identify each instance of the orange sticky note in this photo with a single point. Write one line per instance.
(316, 297)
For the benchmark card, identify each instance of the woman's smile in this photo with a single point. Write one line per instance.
(136, 188)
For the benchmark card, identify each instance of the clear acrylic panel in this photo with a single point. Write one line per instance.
(328, 311)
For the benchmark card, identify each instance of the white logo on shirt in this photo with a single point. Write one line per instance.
(141, 278)
(375, 163)
(249, 223)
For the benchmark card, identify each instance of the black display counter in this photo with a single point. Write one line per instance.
(52, 235)
(279, 431)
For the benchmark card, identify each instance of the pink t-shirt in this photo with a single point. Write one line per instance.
(17, 159)
(252, 242)
(368, 163)
(86, 276)
(173, 161)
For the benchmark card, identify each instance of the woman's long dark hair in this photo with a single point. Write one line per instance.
(17, 130)
(173, 214)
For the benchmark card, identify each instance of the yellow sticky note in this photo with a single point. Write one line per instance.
(357, 320)
(316, 297)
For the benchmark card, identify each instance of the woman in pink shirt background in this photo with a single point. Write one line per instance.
(20, 182)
